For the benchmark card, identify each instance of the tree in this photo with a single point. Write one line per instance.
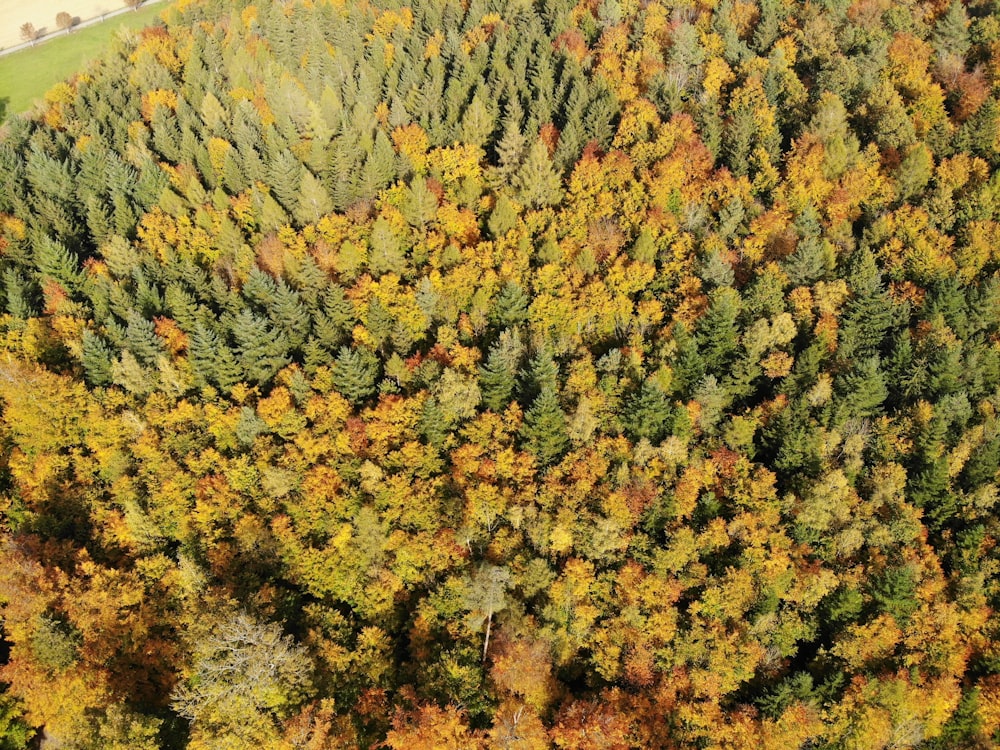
(544, 429)
(536, 181)
(65, 21)
(29, 33)
(487, 595)
(133, 4)
(97, 358)
(498, 377)
(354, 373)
(951, 33)
(245, 677)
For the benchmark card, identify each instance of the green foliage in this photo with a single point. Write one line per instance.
(354, 373)
(544, 429)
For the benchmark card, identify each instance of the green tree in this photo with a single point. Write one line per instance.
(97, 357)
(498, 377)
(536, 181)
(544, 428)
(355, 372)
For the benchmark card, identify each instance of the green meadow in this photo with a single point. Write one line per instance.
(25, 76)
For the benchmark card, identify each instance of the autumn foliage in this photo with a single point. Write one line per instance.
(506, 376)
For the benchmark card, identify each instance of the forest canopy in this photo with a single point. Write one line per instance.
(506, 375)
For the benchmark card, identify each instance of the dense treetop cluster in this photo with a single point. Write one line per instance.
(507, 374)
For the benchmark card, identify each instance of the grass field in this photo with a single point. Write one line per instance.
(27, 75)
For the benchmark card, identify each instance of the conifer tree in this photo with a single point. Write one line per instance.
(96, 359)
(498, 377)
(55, 261)
(355, 372)
(536, 181)
(285, 177)
(544, 428)
(511, 306)
(261, 348)
(290, 316)
(951, 32)
(212, 361)
(421, 204)
(314, 201)
(142, 341)
(649, 413)
(717, 331)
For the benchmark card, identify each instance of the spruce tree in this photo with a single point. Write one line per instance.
(536, 181)
(314, 201)
(142, 341)
(55, 261)
(262, 348)
(648, 413)
(285, 175)
(511, 306)
(421, 204)
(96, 359)
(289, 315)
(498, 377)
(355, 372)
(718, 335)
(544, 428)
(951, 33)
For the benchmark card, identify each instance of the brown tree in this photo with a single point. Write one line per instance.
(65, 21)
(29, 33)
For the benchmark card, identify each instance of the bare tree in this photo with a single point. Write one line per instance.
(485, 597)
(65, 21)
(133, 4)
(245, 673)
(29, 33)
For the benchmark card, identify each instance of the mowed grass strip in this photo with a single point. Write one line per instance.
(25, 76)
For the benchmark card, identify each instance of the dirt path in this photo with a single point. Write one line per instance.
(42, 13)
